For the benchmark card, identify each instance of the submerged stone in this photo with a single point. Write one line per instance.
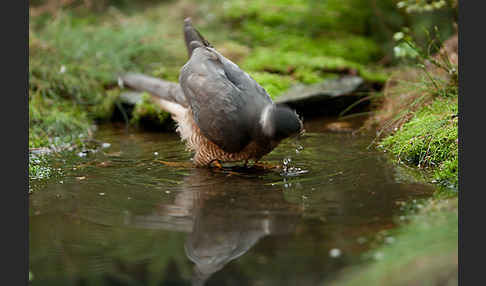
(329, 97)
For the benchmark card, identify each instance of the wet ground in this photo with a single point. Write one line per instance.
(119, 216)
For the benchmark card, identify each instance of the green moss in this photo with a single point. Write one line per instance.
(274, 84)
(374, 74)
(302, 15)
(447, 173)
(170, 73)
(68, 59)
(306, 39)
(38, 168)
(55, 123)
(314, 28)
(73, 65)
(429, 140)
(305, 68)
(349, 47)
(147, 111)
(425, 248)
(105, 109)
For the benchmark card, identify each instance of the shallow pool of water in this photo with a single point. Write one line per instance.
(119, 216)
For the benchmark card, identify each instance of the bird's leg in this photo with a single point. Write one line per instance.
(176, 164)
(257, 164)
(220, 169)
(216, 163)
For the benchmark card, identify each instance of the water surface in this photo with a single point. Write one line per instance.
(121, 217)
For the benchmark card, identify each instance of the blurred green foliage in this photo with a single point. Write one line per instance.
(72, 67)
(412, 6)
(74, 60)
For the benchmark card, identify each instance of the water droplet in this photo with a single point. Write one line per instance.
(288, 170)
(299, 149)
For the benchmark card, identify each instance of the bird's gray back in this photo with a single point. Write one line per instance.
(226, 102)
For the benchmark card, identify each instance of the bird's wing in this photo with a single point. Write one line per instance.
(222, 99)
(243, 81)
(238, 77)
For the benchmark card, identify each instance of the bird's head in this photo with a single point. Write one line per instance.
(280, 122)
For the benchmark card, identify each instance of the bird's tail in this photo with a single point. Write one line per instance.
(170, 91)
(168, 95)
(192, 37)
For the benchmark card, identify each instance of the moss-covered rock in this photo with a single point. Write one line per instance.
(430, 139)
(146, 113)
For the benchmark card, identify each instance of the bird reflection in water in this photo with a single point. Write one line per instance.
(226, 214)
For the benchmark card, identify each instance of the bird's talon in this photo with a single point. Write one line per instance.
(217, 164)
(176, 164)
